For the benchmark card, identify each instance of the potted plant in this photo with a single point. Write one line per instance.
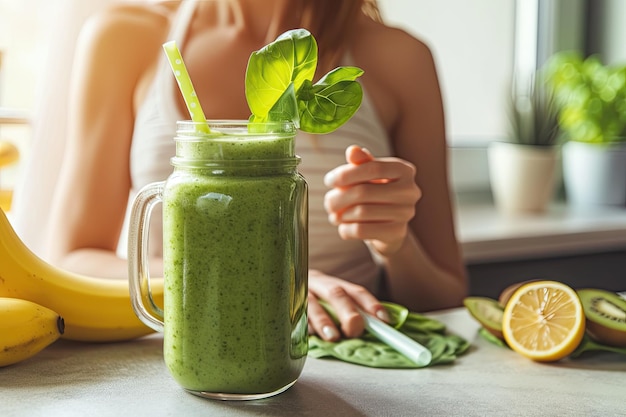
(523, 170)
(592, 115)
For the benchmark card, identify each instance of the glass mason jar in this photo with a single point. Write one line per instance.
(235, 259)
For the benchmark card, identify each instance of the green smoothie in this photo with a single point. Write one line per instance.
(235, 220)
(235, 265)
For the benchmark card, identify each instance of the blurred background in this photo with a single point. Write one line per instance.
(24, 27)
(481, 47)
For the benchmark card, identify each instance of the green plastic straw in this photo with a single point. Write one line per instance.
(185, 85)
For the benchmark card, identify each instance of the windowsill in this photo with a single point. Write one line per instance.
(487, 235)
(12, 116)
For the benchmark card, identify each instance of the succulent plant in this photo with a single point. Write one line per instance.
(533, 114)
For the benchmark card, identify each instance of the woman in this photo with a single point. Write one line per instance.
(380, 212)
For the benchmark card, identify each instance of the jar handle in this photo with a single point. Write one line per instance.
(138, 272)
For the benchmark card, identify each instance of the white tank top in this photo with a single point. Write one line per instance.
(153, 146)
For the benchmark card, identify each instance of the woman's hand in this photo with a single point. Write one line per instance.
(372, 199)
(344, 297)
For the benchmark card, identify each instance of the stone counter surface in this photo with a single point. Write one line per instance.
(130, 379)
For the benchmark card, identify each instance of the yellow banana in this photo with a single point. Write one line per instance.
(8, 153)
(94, 309)
(26, 328)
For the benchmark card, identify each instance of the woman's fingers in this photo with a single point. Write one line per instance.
(384, 232)
(372, 199)
(374, 213)
(350, 321)
(320, 322)
(344, 298)
(385, 169)
(393, 193)
(357, 155)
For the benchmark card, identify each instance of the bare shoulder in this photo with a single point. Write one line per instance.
(400, 73)
(378, 34)
(393, 52)
(131, 32)
(128, 24)
(118, 45)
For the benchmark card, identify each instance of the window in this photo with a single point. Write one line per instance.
(473, 43)
(477, 45)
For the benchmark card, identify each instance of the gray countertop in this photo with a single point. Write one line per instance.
(130, 379)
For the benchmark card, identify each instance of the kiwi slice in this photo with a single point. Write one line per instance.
(606, 316)
(488, 312)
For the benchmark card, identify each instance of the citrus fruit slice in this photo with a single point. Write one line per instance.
(544, 321)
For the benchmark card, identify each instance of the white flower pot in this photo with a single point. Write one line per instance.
(594, 174)
(522, 177)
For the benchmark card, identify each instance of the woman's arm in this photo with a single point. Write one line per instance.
(113, 51)
(402, 206)
(427, 271)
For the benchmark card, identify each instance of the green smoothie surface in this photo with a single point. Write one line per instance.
(230, 141)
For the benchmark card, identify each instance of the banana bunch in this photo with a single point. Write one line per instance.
(94, 309)
(26, 328)
(8, 153)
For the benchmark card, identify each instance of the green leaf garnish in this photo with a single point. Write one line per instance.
(329, 103)
(279, 86)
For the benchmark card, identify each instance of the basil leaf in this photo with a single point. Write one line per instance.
(329, 103)
(278, 86)
(290, 59)
(284, 109)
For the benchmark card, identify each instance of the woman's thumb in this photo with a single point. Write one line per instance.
(357, 155)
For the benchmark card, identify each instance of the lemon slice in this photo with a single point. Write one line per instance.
(544, 321)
